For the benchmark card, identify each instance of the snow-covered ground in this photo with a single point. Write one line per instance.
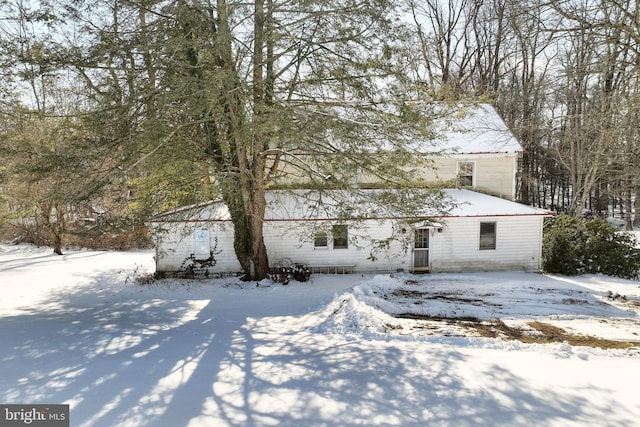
(76, 329)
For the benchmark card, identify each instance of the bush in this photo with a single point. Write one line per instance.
(284, 275)
(191, 268)
(574, 245)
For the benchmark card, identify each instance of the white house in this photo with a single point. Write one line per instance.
(481, 152)
(481, 233)
(471, 148)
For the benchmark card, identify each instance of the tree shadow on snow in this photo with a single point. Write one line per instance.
(149, 361)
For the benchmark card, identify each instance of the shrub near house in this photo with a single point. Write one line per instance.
(573, 245)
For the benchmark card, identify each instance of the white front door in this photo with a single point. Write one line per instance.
(421, 250)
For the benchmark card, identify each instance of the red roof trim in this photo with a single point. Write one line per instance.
(544, 214)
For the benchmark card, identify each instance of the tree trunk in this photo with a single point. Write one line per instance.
(53, 230)
(636, 218)
(628, 207)
(249, 242)
(57, 244)
(247, 216)
(236, 143)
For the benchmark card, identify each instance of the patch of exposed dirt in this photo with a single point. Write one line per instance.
(537, 332)
(555, 334)
(409, 293)
(575, 301)
(421, 296)
(436, 318)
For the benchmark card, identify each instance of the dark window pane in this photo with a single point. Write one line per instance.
(465, 174)
(487, 235)
(320, 239)
(340, 237)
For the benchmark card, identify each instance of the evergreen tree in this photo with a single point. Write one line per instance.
(246, 96)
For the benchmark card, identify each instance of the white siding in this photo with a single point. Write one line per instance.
(293, 241)
(455, 248)
(493, 174)
(175, 243)
(518, 243)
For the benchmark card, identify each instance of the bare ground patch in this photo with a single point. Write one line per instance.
(532, 298)
(420, 296)
(536, 332)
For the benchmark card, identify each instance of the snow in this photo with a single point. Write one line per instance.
(471, 203)
(474, 129)
(78, 329)
(295, 206)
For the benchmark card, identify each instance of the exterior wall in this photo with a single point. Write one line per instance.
(175, 243)
(494, 173)
(518, 245)
(454, 248)
(293, 242)
(286, 241)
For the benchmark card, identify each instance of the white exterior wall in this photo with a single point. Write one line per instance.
(493, 173)
(175, 243)
(292, 240)
(457, 247)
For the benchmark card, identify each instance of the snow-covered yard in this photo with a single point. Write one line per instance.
(76, 329)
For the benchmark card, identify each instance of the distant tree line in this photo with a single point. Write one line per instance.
(565, 77)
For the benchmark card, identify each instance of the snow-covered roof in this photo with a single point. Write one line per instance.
(473, 129)
(214, 210)
(471, 203)
(460, 128)
(302, 205)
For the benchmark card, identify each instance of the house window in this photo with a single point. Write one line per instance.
(320, 239)
(465, 174)
(340, 237)
(487, 235)
(352, 172)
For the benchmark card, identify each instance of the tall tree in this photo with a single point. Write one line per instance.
(605, 72)
(49, 162)
(253, 91)
(522, 89)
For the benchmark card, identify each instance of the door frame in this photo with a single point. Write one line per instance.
(427, 249)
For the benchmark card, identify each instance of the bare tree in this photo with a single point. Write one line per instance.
(48, 160)
(603, 77)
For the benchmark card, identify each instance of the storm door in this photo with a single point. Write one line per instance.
(421, 250)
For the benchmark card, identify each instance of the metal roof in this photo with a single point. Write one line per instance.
(309, 205)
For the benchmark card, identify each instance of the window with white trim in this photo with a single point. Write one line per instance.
(321, 239)
(421, 240)
(466, 172)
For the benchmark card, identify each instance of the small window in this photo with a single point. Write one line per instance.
(465, 174)
(351, 172)
(320, 239)
(340, 237)
(487, 235)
